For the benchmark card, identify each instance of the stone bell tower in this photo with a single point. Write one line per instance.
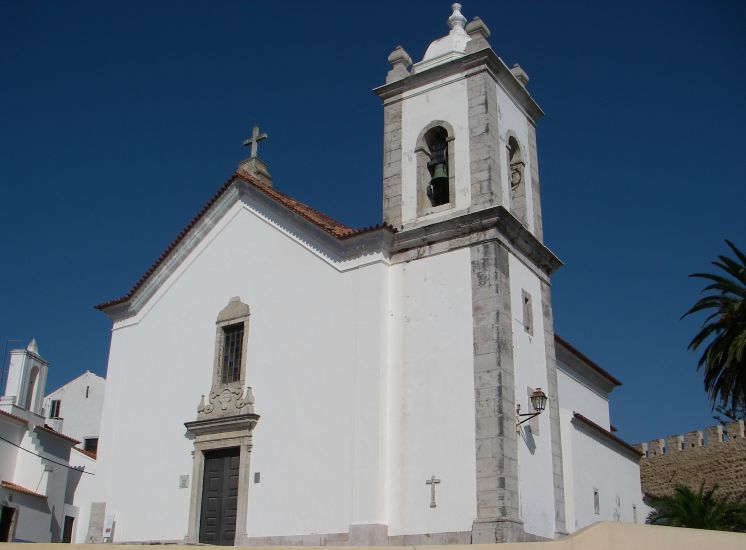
(461, 186)
(463, 100)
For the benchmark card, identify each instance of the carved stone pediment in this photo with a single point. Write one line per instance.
(226, 400)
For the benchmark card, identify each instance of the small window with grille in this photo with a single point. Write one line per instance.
(231, 355)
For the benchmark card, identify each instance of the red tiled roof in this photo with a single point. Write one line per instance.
(91, 454)
(319, 219)
(58, 434)
(606, 433)
(585, 358)
(19, 489)
(14, 417)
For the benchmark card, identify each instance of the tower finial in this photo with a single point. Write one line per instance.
(456, 21)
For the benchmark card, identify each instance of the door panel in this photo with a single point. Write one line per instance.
(220, 497)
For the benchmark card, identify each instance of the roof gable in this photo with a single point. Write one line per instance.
(337, 236)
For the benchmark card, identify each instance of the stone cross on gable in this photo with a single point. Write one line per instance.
(254, 140)
(432, 482)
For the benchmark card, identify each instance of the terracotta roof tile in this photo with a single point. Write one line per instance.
(13, 416)
(321, 220)
(19, 489)
(91, 454)
(58, 434)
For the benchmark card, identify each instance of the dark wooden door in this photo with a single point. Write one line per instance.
(219, 497)
(67, 531)
(6, 522)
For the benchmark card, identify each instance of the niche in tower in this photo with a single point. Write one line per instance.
(517, 177)
(435, 168)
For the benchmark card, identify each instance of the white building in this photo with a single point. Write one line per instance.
(279, 378)
(75, 409)
(39, 470)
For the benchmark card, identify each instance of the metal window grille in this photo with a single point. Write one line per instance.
(54, 408)
(231, 361)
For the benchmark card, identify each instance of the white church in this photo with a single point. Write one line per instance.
(278, 378)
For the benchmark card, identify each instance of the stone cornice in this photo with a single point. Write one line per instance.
(222, 424)
(494, 223)
(472, 63)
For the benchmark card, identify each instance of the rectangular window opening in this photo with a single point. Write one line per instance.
(54, 408)
(87, 389)
(91, 445)
(231, 356)
(596, 504)
(528, 320)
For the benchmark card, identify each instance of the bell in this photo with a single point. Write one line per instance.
(437, 191)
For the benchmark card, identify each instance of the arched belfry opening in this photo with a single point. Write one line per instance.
(435, 168)
(437, 189)
(517, 178)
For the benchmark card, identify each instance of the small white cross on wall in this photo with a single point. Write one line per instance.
(432, 482)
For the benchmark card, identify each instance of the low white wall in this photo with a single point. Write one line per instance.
(606, 536)
(596, 464)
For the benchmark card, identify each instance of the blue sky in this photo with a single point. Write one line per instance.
(118, 120)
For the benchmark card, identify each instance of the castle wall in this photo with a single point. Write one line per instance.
(715, 456)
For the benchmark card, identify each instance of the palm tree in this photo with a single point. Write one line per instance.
(700, 510)
(724, 357)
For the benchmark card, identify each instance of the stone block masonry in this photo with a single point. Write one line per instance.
(716, 455)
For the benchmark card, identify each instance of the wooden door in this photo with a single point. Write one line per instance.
(6, 523)
(219, 497)
(67, 531)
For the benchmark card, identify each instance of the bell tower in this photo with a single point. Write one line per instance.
(459, 133)
(461, 187)
(26, 382)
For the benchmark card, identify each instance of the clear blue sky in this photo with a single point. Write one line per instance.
(118, 120)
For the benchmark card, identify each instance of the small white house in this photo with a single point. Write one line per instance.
(38, 473)
(75, 409)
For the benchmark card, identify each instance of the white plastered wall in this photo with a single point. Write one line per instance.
(534, 449)
(574, 395)
(445, 100)
(315, 363)
(82, 483)
(431, 395)
(590, 464)
(513, 121)
(80, 409)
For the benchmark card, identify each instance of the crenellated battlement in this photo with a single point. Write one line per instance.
(715, 455)
(712, 436)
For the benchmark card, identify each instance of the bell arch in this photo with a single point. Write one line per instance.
(436, 181)
(517, 179)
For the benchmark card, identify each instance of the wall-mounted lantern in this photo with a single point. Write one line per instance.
(538, 402)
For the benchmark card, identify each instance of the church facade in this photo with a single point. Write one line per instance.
(279, 378)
